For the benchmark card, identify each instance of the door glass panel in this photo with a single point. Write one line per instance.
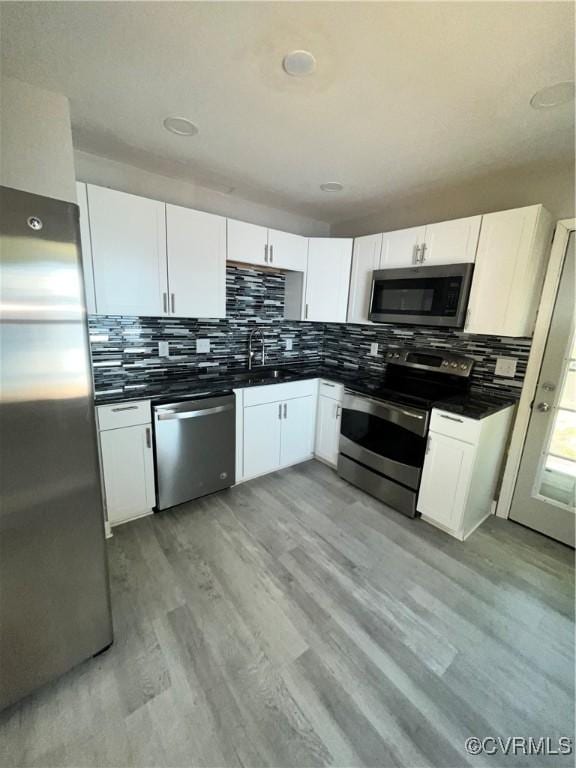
(383, 437)
(558, 478)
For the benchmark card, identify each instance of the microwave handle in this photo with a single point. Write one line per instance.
(371, 297)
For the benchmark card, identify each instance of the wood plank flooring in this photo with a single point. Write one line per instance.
(295, 621)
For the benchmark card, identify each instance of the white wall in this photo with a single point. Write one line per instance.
(552, 185)
(36, 152)
(127, 178)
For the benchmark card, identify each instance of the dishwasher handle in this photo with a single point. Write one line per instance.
(166, 415)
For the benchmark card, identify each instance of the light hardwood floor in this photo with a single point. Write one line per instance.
(295, 621)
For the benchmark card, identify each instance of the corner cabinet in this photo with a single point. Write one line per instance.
(128, 235)
(461, 470)
(328, 279)
(262, 247)
(509, 273)
(126, 459)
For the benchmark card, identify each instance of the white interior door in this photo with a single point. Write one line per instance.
(400, 248)
(451, 242)
(544, 496)
(262, 425)
(328, 279)
(298, 425)
(128, 253)
(196, 247)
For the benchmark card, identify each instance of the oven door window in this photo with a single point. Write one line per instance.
(422, 296)
(383, 437)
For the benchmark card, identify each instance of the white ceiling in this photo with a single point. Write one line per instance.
(405, 94)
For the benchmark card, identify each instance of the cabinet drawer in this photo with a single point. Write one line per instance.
(452, 425)
(331, 389)
(123, 415)
(272, 393)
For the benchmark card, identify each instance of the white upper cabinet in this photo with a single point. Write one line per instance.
(402, 247)
(128, 253)
(450, 242)
(365, 259)
(196, 246)
(86, 248)
(287, 251)
(328, 279)
(247, 243)
(509, 272)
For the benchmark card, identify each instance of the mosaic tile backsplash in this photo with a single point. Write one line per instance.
(125, 349)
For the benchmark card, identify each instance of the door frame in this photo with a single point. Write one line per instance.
(539, 339)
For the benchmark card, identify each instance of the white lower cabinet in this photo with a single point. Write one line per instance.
(278, 425)
(328, 422)
(461, 470)
(262, 438)
(127, 461)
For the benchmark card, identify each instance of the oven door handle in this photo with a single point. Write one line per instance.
(387, 411)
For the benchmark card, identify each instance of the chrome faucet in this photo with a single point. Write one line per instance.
(250, 352)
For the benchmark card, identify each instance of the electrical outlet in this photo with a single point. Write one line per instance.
(506, 367)
(288, 345)
(374, 349)
(202, 345)
(163, 349)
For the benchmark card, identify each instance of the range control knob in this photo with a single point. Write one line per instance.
(453, 365)
(445, 363)
(463, 366)
(396, 354)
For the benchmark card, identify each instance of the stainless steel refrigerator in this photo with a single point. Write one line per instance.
(54, 595)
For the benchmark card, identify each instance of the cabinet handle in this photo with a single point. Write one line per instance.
(266, 254)
(148, 439)
(271, 252)
(125, 408)
(173, 302)
(423, 253)
(467, 321)
(279, 410)
(165, 302)
(306, 313)
(451, 418)
(285, 411)
(416, 255)
(428, 444)
(337, 410)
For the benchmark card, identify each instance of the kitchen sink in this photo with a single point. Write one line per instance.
(263, 374)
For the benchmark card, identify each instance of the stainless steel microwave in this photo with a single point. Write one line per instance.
(434, 295)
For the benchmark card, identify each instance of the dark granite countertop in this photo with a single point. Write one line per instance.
(475, 405)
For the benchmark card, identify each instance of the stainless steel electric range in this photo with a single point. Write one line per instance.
(383, 435)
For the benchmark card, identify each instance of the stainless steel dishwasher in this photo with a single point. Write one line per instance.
(195, 448)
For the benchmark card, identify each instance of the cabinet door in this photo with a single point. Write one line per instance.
(328, 279)
(86, 248)
(128, 472)
(365, 259)
(399, 249)
(128, 253)
(510, 264)
(196, 246)
(247, 243)
(450, 242)
(298, 424)
(287, 251)
(262, 438)
(445, 480)
(328, 429)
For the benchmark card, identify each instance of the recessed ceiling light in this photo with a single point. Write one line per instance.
(299, 63)
(332, 186)
(553, 95)
(180, 126)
